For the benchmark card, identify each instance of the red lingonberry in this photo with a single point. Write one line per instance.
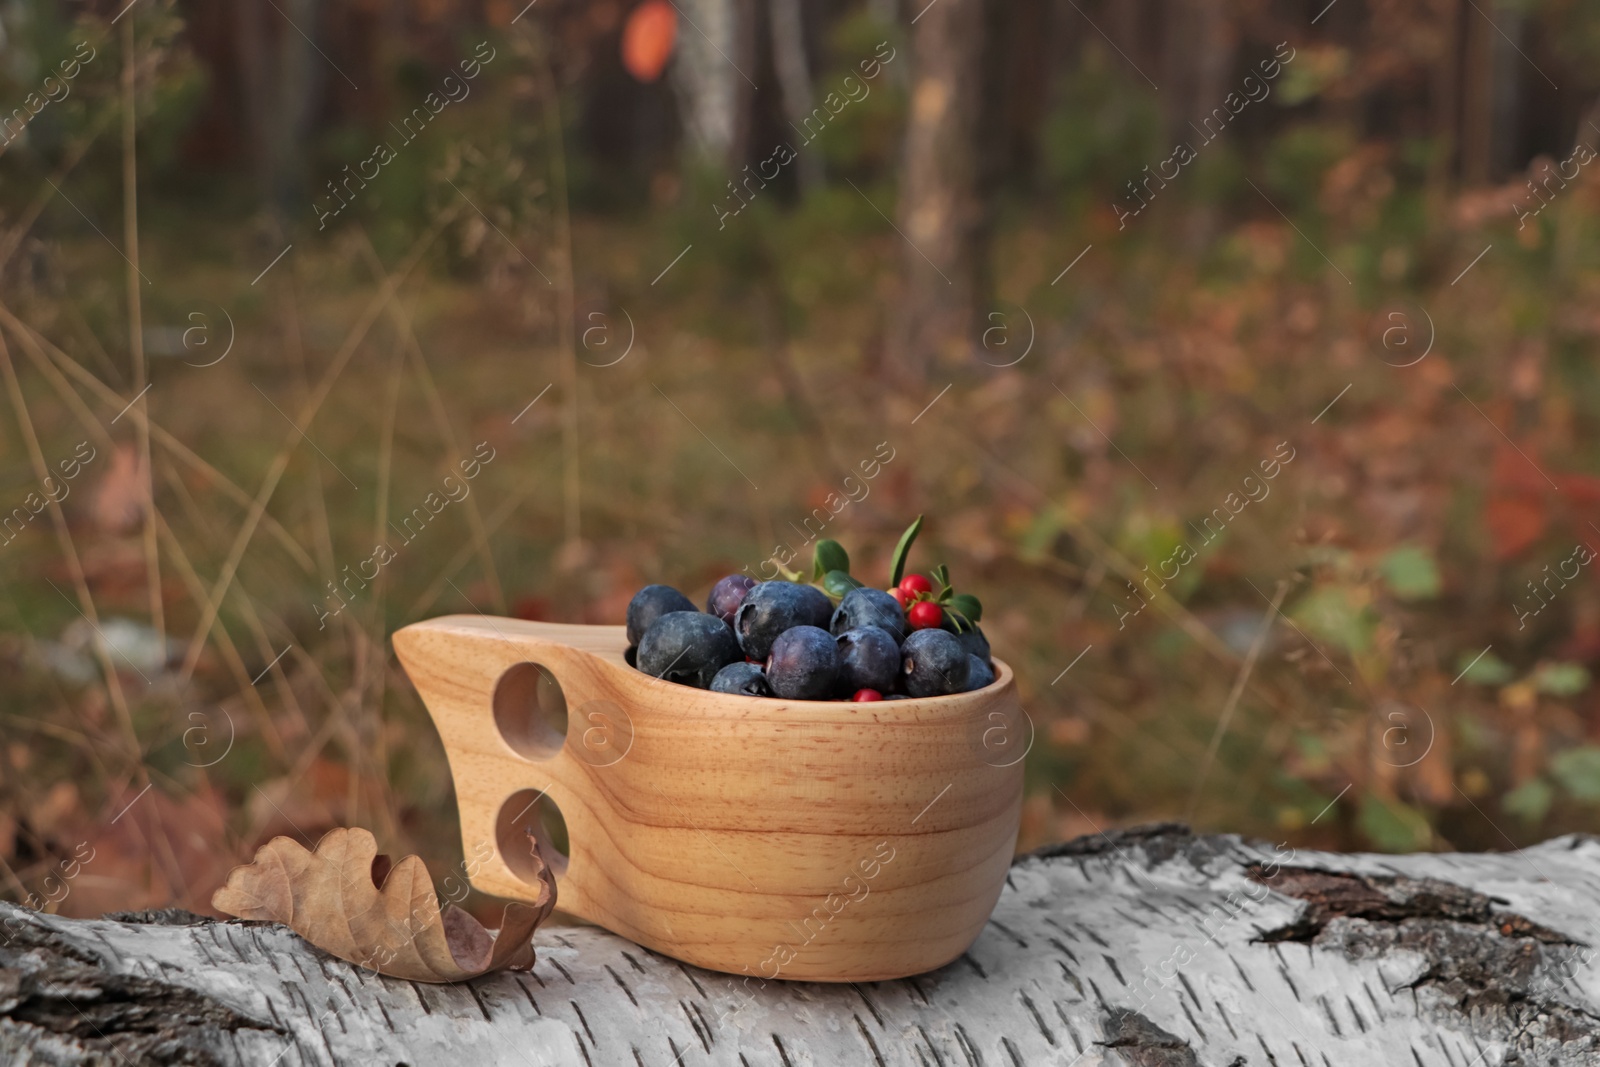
(867, 694)
(925, 615)
(912, 584)
(900, 595)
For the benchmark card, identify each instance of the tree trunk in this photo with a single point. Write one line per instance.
(1199, 51)
(787, 30)
(1477, 100)
(1152, 948)
(705, 77)
(941, 212)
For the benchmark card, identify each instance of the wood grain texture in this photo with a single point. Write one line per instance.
(1151, 948)
(806, 840)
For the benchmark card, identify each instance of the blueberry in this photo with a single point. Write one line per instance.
(727, 595)
(688, 647)
(869, 658)
(979, 673)
(746, 679)
(804, 665)
(773, 607)
(818, 608)
(870, 607)
(649, 604)
(975, 643)
(935, 664)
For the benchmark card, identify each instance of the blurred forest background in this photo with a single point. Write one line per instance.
(1277, 320)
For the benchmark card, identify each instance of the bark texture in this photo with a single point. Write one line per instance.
(1151, 948)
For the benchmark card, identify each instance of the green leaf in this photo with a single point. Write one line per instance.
(1041, 535)
(837, 583)
(1393, 826)
(1530, 800)
(1561, 679)
(1487, 669)
(941, 581)
(967, 605)
(1578, 771)
(829, 556)
(897, 562)
(1334, 613)
(1313, 754)
(1410, 573)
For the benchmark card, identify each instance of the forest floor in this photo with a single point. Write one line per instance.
(1151, 454)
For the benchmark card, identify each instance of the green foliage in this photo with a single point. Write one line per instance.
(829, 556)
(1337, 613)
(1561, 679)
(1487, 669)
(968, 606)
(1043, 530)
(1153, 539)
(1578, 771)
(1411, 573)
(837, 583)
(1530, 801)
(859, 136)
(1104, 128)
(897, 561)
(1297, 161)
(1312, 71)
(1392, 825)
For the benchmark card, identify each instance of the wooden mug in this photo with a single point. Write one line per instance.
(818, 840)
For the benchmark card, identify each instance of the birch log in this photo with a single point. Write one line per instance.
(1152, 948)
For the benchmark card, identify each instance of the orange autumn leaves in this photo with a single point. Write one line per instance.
(1523, 502)
(647, 39)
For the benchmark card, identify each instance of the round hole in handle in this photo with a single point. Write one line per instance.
(531, 814)
(530, 711)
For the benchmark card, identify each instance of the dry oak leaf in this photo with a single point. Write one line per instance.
(347, 900)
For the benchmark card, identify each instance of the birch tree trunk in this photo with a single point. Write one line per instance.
(705, 78)
(1151, 948)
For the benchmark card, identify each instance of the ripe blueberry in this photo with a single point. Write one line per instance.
(727, 595)
(935, 664)
(649, 604)
(773, 607)
(979, 673)
(870, 607)
(804, 664)
(746, 679)
(688, 647)
(869, 658)
(975, 643)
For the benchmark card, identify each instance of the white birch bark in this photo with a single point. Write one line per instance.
(703, 75)
(1153, 947)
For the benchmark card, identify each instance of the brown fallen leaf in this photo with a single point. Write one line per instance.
(349, 901)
